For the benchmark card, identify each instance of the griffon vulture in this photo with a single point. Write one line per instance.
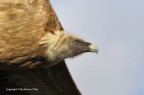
(33, 46)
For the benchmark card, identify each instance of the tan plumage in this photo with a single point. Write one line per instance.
(30, 30)
(22, 25)
(32, 36)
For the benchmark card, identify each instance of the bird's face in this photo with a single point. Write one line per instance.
(63, 45)
(77, 46)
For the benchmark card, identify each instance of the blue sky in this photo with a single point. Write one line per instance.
(117, 27)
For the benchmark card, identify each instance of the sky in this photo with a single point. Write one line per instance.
(117, 28)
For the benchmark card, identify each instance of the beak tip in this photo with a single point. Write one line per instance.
(93, 48)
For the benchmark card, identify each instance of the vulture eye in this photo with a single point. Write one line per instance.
(76, 41)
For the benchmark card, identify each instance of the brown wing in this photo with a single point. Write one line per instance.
(22, 24)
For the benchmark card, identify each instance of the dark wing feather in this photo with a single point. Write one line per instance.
(28, 22)
(53, 81)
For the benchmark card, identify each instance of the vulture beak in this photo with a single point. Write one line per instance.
(93, 48)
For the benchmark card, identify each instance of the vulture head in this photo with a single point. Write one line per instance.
(63, 45)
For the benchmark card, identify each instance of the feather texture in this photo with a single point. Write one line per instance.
(23, 26)
(23, 23)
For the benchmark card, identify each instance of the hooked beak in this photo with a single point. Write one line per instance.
(93, 48)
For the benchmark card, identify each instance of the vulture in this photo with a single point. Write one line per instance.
(33, 46)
